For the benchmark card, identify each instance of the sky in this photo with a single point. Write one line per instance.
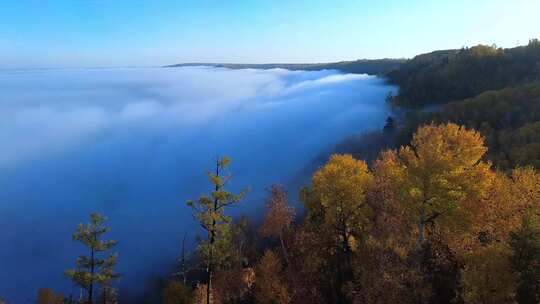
(98, 33)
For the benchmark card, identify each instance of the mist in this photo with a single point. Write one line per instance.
(134, 144)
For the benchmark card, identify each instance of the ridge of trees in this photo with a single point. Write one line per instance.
(430, 222)
(361, 66)
(444, 76)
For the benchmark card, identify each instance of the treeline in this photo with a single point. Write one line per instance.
(444, 76)
(361, 66)
(430, 222)
(509, 119)
(495, 91)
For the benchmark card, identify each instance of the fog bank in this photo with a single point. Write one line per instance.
(134, 144)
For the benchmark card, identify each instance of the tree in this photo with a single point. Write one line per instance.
(177, 293)
(209, 210)
(441, 178)
(269, 287)
(390, 126)
(93, 269)
(525, 244)
(48, 296)
(340, 188)
(233, 285)
(279, 217)
(487, 276)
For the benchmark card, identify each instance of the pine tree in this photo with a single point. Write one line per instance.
(97, 268)
(209, 211)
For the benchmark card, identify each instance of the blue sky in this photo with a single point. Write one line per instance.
(86, 33)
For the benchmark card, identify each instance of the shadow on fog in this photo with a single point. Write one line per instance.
(134, 144)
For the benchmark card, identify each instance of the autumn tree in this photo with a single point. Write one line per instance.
(177, 293)
(340, 188)
(233, 284)
(487, 276)
(48, 296)
(440, 177)
(97, 267)
(245, 238)
(279, 217)
(525, 244)
(209, 211)
(269, 281)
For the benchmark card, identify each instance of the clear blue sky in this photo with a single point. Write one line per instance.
(56, 33)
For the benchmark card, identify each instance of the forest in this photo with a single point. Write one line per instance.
(495, 91)
(362, 66)
(451, 75)
(430, 222)
(444, 208)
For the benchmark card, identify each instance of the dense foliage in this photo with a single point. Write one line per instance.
(495, 91)
(509, 119)
(429, 222)
(444, 76)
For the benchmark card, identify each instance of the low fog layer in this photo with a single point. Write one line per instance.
(134, 144)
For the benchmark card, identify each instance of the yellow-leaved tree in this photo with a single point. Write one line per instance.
(340, 187)
(441, 178)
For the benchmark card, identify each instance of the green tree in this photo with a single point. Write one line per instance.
(525, 244)
(209, 211)
(96, 268)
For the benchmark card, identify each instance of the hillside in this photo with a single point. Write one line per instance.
(450, 75)
(362, 66)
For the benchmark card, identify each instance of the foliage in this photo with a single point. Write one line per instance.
(94, 269)
(279, 217)
(209, 211)
(269, 283)
(439, 179)
(444, 76)
(48, 296)
(509, 120)
(487, 276)
(336, 205)
(177, 293)
(430, 222)
(525, 244)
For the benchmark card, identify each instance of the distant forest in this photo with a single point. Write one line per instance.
(363, 66)
(493, 90)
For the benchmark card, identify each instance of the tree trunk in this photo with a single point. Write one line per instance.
(92, 270)
(421, 227)
(285, 255)
(210, 267)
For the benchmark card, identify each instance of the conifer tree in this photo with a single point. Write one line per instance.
(97, 267)
(209, 211)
